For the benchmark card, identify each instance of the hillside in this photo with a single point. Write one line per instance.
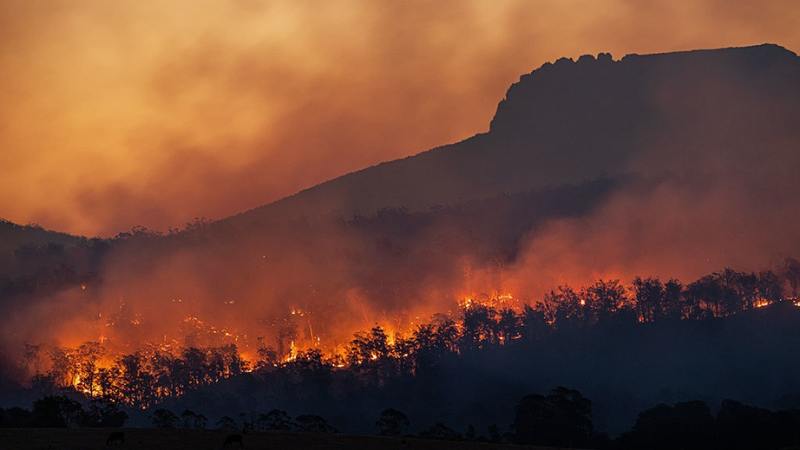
(13, 237)
(573, 121)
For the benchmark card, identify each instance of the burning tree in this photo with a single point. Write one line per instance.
(154, 372)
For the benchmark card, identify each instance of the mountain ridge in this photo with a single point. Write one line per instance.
(397, 184)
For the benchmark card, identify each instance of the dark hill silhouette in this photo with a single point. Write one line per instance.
(573, 121)
(13, 236)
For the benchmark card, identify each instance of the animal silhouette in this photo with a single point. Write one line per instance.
(233, 439)
(115, 438)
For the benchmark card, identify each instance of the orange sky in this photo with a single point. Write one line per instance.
(115, 114)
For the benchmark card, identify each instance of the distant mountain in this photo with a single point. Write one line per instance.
(573, 121)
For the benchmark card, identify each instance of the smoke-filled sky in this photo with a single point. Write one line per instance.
(115, 114)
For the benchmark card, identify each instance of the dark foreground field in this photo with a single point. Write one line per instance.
(89, 439)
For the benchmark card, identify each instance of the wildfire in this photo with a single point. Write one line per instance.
(497, 301)
(292, 352)
(97, 368)
(97, 375)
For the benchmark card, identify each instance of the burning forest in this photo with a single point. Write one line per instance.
(621, 234)
(202, 354)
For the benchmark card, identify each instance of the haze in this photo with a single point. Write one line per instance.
(115, 114)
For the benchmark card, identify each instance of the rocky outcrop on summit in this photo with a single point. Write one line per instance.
(544, 100)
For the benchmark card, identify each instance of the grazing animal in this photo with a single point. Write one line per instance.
(115, 438)
(233, 439)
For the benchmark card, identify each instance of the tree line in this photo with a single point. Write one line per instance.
(560, 418)
(147, 377)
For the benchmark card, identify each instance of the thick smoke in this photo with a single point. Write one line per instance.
(123, 114)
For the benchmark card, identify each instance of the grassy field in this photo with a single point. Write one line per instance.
(135, 438)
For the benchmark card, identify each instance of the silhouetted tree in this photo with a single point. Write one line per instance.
(267, 356)
(227, 423)
(509, 326)
(604, 298)
(56, 411)
(310, 423)
(740, 426)
(649, 294)
(738, 290)
(704, 298)
(567, 307)
(103, 413)
(446, 334)
(404, 352)
(369, 354)
(138, 384)
(769, 286)
(440, 431)
(562, 418)
(85, 359)
(480, 327)
(370, 346)
(534, 324)
(687, 425)
(275, 420)
(392, 423)
(108, 382)
(15, 418)
(672, 306)
(188, 418)
(164, 418)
